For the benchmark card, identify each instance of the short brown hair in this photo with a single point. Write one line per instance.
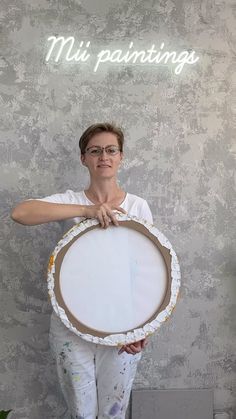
(97, 128)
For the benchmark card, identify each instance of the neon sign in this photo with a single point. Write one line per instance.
(62, 48)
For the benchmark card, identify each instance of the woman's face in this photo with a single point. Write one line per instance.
(103, 166)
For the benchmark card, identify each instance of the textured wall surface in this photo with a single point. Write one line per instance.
(179, 156)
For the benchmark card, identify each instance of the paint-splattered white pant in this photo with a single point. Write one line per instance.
(94, 379)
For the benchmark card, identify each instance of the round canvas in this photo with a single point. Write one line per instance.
(113, 286)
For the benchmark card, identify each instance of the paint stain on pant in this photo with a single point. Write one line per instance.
(114, 409)
(76, 376)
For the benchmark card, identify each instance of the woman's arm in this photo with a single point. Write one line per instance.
(35, 212)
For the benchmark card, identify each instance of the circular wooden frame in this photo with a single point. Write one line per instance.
(145, 328)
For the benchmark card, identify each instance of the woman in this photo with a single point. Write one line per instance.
(95, 380)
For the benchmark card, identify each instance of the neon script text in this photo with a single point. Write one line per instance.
(62, 48)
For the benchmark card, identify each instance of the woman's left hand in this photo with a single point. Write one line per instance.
(134, 348)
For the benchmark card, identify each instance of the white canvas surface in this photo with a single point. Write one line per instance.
(113, 280)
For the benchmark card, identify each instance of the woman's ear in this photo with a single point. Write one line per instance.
(82, 159)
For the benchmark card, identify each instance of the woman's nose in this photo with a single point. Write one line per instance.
(103, 154)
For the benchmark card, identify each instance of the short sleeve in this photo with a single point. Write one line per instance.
(59, 198)
(146, 213)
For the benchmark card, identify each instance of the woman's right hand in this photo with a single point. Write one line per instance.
(103, 212)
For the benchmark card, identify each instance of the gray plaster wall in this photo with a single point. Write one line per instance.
(179, 155)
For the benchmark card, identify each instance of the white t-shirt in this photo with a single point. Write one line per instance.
(132, 204)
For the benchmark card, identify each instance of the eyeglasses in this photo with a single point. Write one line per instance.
(95, 151)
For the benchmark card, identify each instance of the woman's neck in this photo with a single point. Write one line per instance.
(104, 192)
